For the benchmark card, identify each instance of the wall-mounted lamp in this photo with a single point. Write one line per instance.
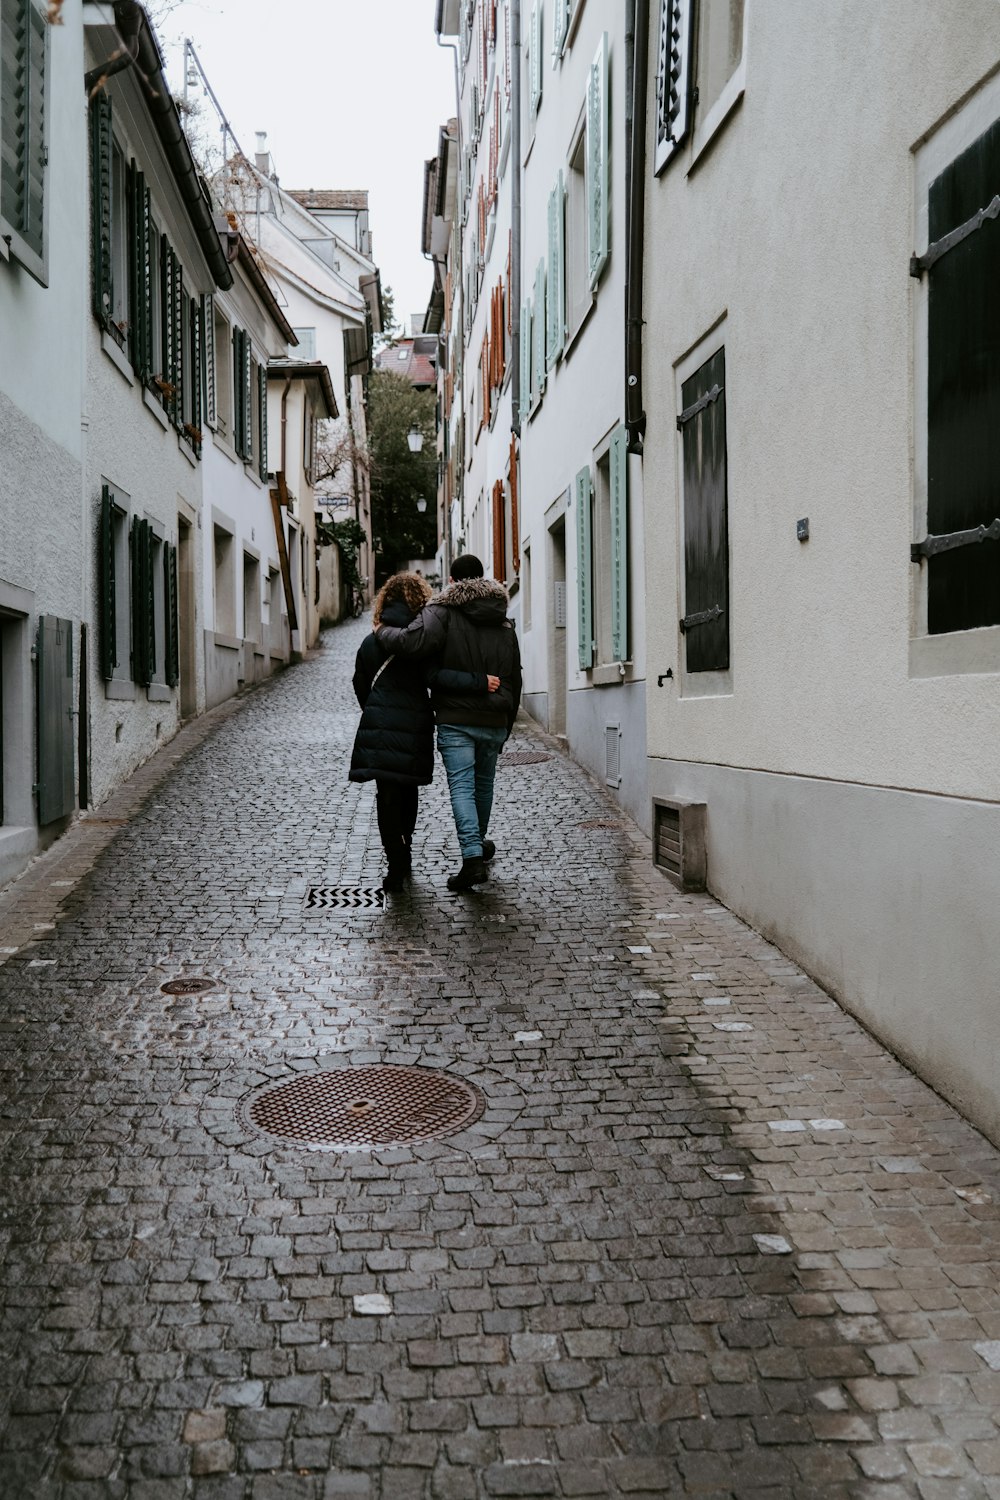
(421, 504)
(415, 438)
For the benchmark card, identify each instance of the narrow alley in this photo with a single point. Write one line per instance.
(692, 1232)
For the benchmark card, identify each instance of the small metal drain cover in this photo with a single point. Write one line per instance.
(523, 758)
(196, 984)
(345, 898)
(598, 823)
(357, 1108)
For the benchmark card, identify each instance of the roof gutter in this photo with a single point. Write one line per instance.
(141, 51)
(289, 369)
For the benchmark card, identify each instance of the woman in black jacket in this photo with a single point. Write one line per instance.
(394, 745)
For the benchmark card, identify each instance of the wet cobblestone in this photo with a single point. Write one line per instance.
(707, 1237)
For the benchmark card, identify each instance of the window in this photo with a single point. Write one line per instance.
(251, 599)
(223, 383)
(702, 422)
(23, 123)
(526, 590)
(720, 48)
(538, 329)
(137, 578)
(158, 672)
(225, 583)
(307, 342)
(716, 61)
(963, 394)
(114, 581)
(602, 556)
(556, 302)
(578, 295)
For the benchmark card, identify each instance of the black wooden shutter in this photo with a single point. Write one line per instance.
(106, 586)
(171, 648)
(140, 320)
(963, 393)
(101, 168)
(143, 627)
(706, 528)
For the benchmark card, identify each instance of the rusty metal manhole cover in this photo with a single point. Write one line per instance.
(522, 758)
(195, 984)
(357, 1108)
(345, 898)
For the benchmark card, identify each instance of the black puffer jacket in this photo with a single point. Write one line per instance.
(466, 630)
(395, 739)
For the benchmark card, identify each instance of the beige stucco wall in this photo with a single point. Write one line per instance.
(796, 226)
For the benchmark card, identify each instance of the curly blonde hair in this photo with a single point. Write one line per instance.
(411, 588)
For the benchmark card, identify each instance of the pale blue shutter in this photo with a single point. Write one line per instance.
(584, 570)
(560, 28)
(248, 395)
(262, 468)
(525, 360)
(556, 305)
(538, 361)
(597, 163)
(619, 545)
(535, 59)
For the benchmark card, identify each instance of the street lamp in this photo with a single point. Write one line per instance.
(415, 438)
(421, 504)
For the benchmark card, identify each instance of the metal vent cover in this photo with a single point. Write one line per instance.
(345, 898)
(613, 754)
(523, 758)
(364, 1108)
(193, 984)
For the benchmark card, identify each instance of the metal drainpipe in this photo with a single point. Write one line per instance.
(515, 215)
(635, 416)
(128, 20)
(460, 282)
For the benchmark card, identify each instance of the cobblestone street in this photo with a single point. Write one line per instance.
(706, 1237)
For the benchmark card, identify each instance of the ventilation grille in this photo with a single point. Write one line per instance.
(559, 604)
(679, 842)
(613, 755)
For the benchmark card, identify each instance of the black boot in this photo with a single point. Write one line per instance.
(473, 872)
(397, 876)
(489, 849)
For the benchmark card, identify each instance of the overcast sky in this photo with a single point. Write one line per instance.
(351, 93)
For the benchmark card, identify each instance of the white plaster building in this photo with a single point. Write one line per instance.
(581, 617)
(245, 610)
(44, 509)
(156, 258)
(817, 406)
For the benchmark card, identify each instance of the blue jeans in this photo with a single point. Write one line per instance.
(469, 753)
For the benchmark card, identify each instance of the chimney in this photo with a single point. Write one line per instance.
(262, 159)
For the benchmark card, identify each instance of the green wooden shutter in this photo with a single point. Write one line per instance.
(262, 398)
(619, 545)
(248, 398)
(540, 320)
(556, 291)
(208, 358)
(171, 641)
(525, 360)
(597, 163)
(584, 570)
(22, 131)
(106, 586)
(237, 367)
(101, 173)
(143, 639)
(180, 363)
(140, 281)
(167, 361)
(197, 398)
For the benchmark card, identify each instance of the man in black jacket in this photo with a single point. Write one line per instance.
(467, 628)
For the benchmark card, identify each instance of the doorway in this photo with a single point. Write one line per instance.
(186, 619)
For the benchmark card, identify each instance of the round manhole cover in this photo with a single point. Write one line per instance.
(523, 758)
(194, 985)
(355, 1108)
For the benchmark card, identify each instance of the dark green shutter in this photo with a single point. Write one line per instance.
(22, 126)
(238, 420)
(101, 170)
(706, 521)
(171, 648)
(262, 398)
(143, 613)
(195, 315)
(140, 319)
(208, 358)
(167, 361)
(248, 396)
(180, 363)
(106, 586)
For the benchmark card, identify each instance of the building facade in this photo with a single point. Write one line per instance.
(822, 575)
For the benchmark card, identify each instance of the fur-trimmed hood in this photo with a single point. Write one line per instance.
(483, 599)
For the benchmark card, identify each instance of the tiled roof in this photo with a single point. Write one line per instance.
(418, 369)
(356, 198)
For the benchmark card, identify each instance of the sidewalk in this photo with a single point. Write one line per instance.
(694, 1232)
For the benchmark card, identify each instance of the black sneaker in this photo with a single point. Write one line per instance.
(473, 872)
(489, 849)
